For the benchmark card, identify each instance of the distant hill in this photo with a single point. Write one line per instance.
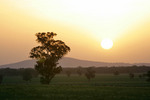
(70, 62)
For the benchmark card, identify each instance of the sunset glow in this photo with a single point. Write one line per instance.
(75, 49)
(81, 24)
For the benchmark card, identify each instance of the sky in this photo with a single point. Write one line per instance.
(81, 24)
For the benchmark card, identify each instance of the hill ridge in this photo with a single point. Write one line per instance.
(70, 62)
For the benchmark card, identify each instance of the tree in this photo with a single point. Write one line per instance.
(116, 73)
(90, 73)
(68, 73)
(79, 70)
(27, 75)
(131, 75)
(148, 75)
(1, 78)
(47, 55)
(140, 76)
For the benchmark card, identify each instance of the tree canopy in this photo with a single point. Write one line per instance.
(49, 48)
(47, 54)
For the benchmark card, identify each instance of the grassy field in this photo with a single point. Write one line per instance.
(102, 87)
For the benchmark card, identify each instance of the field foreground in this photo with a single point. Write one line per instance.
(103, 87)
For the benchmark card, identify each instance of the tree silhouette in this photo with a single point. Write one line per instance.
(116, 73)
(47, 55)
(148, 75)
(90, 73)
(131, 75)
(79, 70)
(1, 78)
(68, 73)
(140, 76)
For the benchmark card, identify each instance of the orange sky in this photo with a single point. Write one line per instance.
(81, 24)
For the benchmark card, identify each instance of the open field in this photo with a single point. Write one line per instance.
(103, 87)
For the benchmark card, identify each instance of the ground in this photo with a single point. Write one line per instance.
(103, 87)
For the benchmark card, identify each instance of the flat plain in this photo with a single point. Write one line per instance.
(102, 87)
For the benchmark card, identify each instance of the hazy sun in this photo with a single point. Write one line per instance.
(107, 43)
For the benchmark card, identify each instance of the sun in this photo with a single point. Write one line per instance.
(107, 43)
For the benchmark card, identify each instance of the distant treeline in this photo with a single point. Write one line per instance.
(111, 70)
(98, 70)
(17, 72)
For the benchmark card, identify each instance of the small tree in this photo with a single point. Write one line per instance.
(140, 76)
(131, 75)
(47, 54)
(90, 73)
(148, 75)
(1, 78)
(27, 75)
(116, 73)
(144, 75)
(79, 70)
(68, 73)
